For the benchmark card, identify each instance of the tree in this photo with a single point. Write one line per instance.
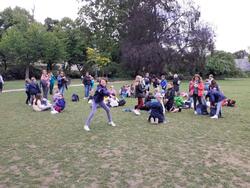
(241, 54)
(18, 17)
(151, 35)
(24, 47)
(221, 63)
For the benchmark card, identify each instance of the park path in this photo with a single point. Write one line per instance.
(73, 85)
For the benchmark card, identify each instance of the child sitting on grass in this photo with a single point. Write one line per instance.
(40, 104)
(157, 113)
(59, 103)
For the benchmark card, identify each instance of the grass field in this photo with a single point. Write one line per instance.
(44, 150)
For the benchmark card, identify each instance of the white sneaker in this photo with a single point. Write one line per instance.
(86, 128)
(195, 113)
(112, 124)
(54, 112)
(214, 117)
(137, 112)
(152, 121)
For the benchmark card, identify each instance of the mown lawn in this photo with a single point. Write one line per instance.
(44, 150)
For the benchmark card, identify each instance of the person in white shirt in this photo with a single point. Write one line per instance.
(1, 83)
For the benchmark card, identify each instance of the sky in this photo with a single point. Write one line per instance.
(230, 19)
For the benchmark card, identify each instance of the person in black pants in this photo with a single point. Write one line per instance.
(169, 97)
(196, 90)
(27, 84)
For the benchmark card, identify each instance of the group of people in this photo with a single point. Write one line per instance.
(37, 93)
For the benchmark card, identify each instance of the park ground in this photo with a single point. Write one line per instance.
(44, 150)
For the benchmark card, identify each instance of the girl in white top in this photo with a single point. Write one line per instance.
(38, 106)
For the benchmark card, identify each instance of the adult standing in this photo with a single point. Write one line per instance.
(44, 83)
(176, 83)
(87, 84)
(196, 90)
(62, 82)
(52, 80)
(1, 83)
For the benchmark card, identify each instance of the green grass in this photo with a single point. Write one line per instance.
(40, 149)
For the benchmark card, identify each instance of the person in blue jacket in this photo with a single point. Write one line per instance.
(216, 99)
(33, 89)
(157, 110)
(164, 83)
(98, 98)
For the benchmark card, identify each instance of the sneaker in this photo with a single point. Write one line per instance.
(152, 121)
(54, 112)
(195, 113)
(137, 112)
(86, 128)
(156, 121)
(214, 117)
(112, 124)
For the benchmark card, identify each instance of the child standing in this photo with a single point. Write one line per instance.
(1, 83)
(34, 89)
(98, 98)
(169, 97)
(164, 83)
(196, 90)
(27, 84)
(176, 83)
(139, 94)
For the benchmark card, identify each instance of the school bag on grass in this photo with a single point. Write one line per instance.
(201, 109)
(74, 97)
(121, 102)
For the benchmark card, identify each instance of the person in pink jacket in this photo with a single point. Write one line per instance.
(196, 90)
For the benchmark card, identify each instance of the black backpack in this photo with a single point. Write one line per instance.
(75, 97)
(121, 102)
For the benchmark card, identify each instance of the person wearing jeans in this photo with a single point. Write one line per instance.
(87, 85)
(196, 90)
(44, 81)
(216, 98)
(100, 93)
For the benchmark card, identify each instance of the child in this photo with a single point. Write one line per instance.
(176, 83)
(179, 102)
(98, 98)
(1, 83)
(52, 80)
(59, 103)
(34, 89)
(164, 83)
(196, 90)
(139, 94)
(45, 83)
(157, 110)
(169, 97)
(27, 84)
(112, 91)
(39, 106)
(216, 99)
(62, 82)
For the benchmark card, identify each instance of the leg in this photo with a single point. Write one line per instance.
(86, 91)
(199, 100)
(106, 108)
(92, 113)
(140, 103)
(218, 109)
(195, 101)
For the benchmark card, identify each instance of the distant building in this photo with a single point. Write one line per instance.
(243, 64)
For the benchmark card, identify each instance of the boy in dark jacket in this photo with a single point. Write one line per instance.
(33, 89)
(98, 98)
(157, 110)
(169, 97)
(216, 99)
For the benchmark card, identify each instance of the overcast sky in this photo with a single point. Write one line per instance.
(230, 19)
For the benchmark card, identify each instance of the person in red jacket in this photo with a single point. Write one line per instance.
(196, 90)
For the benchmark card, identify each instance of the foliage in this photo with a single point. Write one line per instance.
(221, 63)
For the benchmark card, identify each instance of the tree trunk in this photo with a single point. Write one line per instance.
(5, 65)
(27, 71)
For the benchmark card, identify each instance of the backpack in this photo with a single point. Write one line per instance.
(122, 102)
(213, 111)
(74, 97)
(201, 109)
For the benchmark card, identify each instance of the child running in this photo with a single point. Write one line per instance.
(98, 98)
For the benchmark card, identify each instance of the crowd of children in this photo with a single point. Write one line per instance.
(166, 96)
(37, 94)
